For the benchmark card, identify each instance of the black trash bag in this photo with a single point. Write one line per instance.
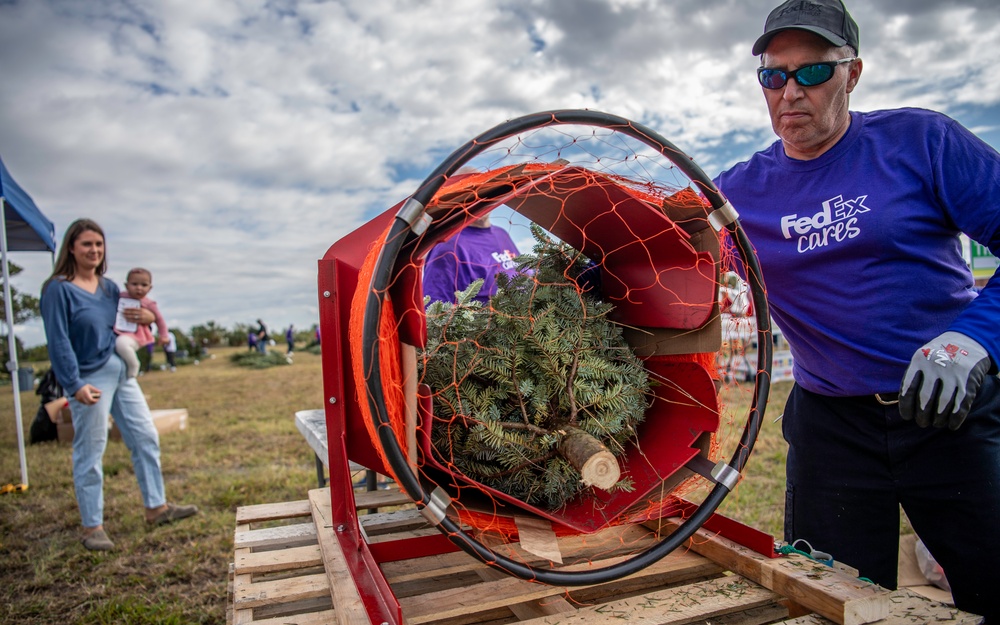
(42, 428)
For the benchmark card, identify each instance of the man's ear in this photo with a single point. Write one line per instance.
(854, 74)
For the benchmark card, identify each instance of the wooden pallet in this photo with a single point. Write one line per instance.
(288, 569)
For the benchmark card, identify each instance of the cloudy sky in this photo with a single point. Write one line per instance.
(226, 144)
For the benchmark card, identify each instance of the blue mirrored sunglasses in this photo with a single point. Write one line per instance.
(805, 76)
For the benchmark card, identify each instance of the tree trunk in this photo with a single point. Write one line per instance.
(597, 466)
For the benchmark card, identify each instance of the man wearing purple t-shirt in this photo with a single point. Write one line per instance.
(479, 250)
(856, 219)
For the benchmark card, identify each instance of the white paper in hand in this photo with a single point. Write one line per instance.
(122, 324)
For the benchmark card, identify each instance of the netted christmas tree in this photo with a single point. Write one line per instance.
(535, 393)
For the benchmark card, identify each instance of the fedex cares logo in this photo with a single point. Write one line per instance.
(505, 259)
(944, 355)
(836, 221)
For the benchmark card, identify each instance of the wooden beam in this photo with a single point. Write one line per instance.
(529, 609)
(273, 511)
(505, 590)
(290, 559)
(346, 599)
(842, 599)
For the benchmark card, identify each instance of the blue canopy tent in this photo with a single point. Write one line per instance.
(22, 228)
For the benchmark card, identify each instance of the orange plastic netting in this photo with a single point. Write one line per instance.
(663, 280)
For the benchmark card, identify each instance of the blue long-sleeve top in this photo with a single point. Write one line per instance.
(79, 329)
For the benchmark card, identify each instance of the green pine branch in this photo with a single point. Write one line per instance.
(509, 377)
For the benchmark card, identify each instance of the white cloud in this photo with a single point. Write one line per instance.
(226, 145)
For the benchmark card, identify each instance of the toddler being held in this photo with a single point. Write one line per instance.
(132, 336)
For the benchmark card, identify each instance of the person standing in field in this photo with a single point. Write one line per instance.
(262, 337)
(170, 351)
(79, 307)
(856, 219)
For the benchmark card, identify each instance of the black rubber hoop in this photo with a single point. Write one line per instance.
(399, 233)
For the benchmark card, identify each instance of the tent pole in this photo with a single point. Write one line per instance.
(11, 343)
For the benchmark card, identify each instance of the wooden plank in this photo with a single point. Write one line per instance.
(703, 602)
(346, 600)
(403, 571)
(281, 536)
(456, 589)
(312, 425)
(381, 498)
(842, 599)
(690, 568)
(408, 359)
(694, 603)
(285, 610)
(325, 617)
(533, 608)
(809, 619)
(754, 616)
(278, 559)
(280, 591)
(245, 615)
(909, 608)
(508, 590)
(382, 523)
(273, 511)
(610, 542)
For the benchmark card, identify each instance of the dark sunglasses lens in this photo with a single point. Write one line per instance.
(772, 78)
(812, 75)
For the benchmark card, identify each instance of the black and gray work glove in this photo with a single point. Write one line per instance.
(942, 381)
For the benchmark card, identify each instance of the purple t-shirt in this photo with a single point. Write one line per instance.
(860, 248)
(471, 254)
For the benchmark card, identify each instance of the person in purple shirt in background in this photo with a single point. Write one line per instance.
(856, 219)
(480, 250)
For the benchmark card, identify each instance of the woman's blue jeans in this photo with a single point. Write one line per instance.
(124, 400)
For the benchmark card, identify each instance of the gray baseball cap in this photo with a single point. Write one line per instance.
(827, 18)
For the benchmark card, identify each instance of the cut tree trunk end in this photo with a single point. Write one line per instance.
(598, 467)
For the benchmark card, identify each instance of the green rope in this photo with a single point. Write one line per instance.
(788, 549)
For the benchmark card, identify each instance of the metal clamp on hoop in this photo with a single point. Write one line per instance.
(723, 216)
(437, 508)
(721, 473)
(414, 214)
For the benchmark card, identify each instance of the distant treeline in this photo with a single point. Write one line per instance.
(194, 341)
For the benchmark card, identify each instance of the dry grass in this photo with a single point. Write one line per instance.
(759, 499)
(241, 447)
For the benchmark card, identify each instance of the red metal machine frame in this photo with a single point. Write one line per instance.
(348, 437)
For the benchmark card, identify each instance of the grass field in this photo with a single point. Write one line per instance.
(241, 447)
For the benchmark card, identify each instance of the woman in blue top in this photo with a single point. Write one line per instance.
(79, 307)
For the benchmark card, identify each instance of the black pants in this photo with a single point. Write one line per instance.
(852, 462)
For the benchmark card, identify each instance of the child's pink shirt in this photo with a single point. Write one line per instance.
(143, 335)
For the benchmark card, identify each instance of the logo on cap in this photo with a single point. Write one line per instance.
(804, 7)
